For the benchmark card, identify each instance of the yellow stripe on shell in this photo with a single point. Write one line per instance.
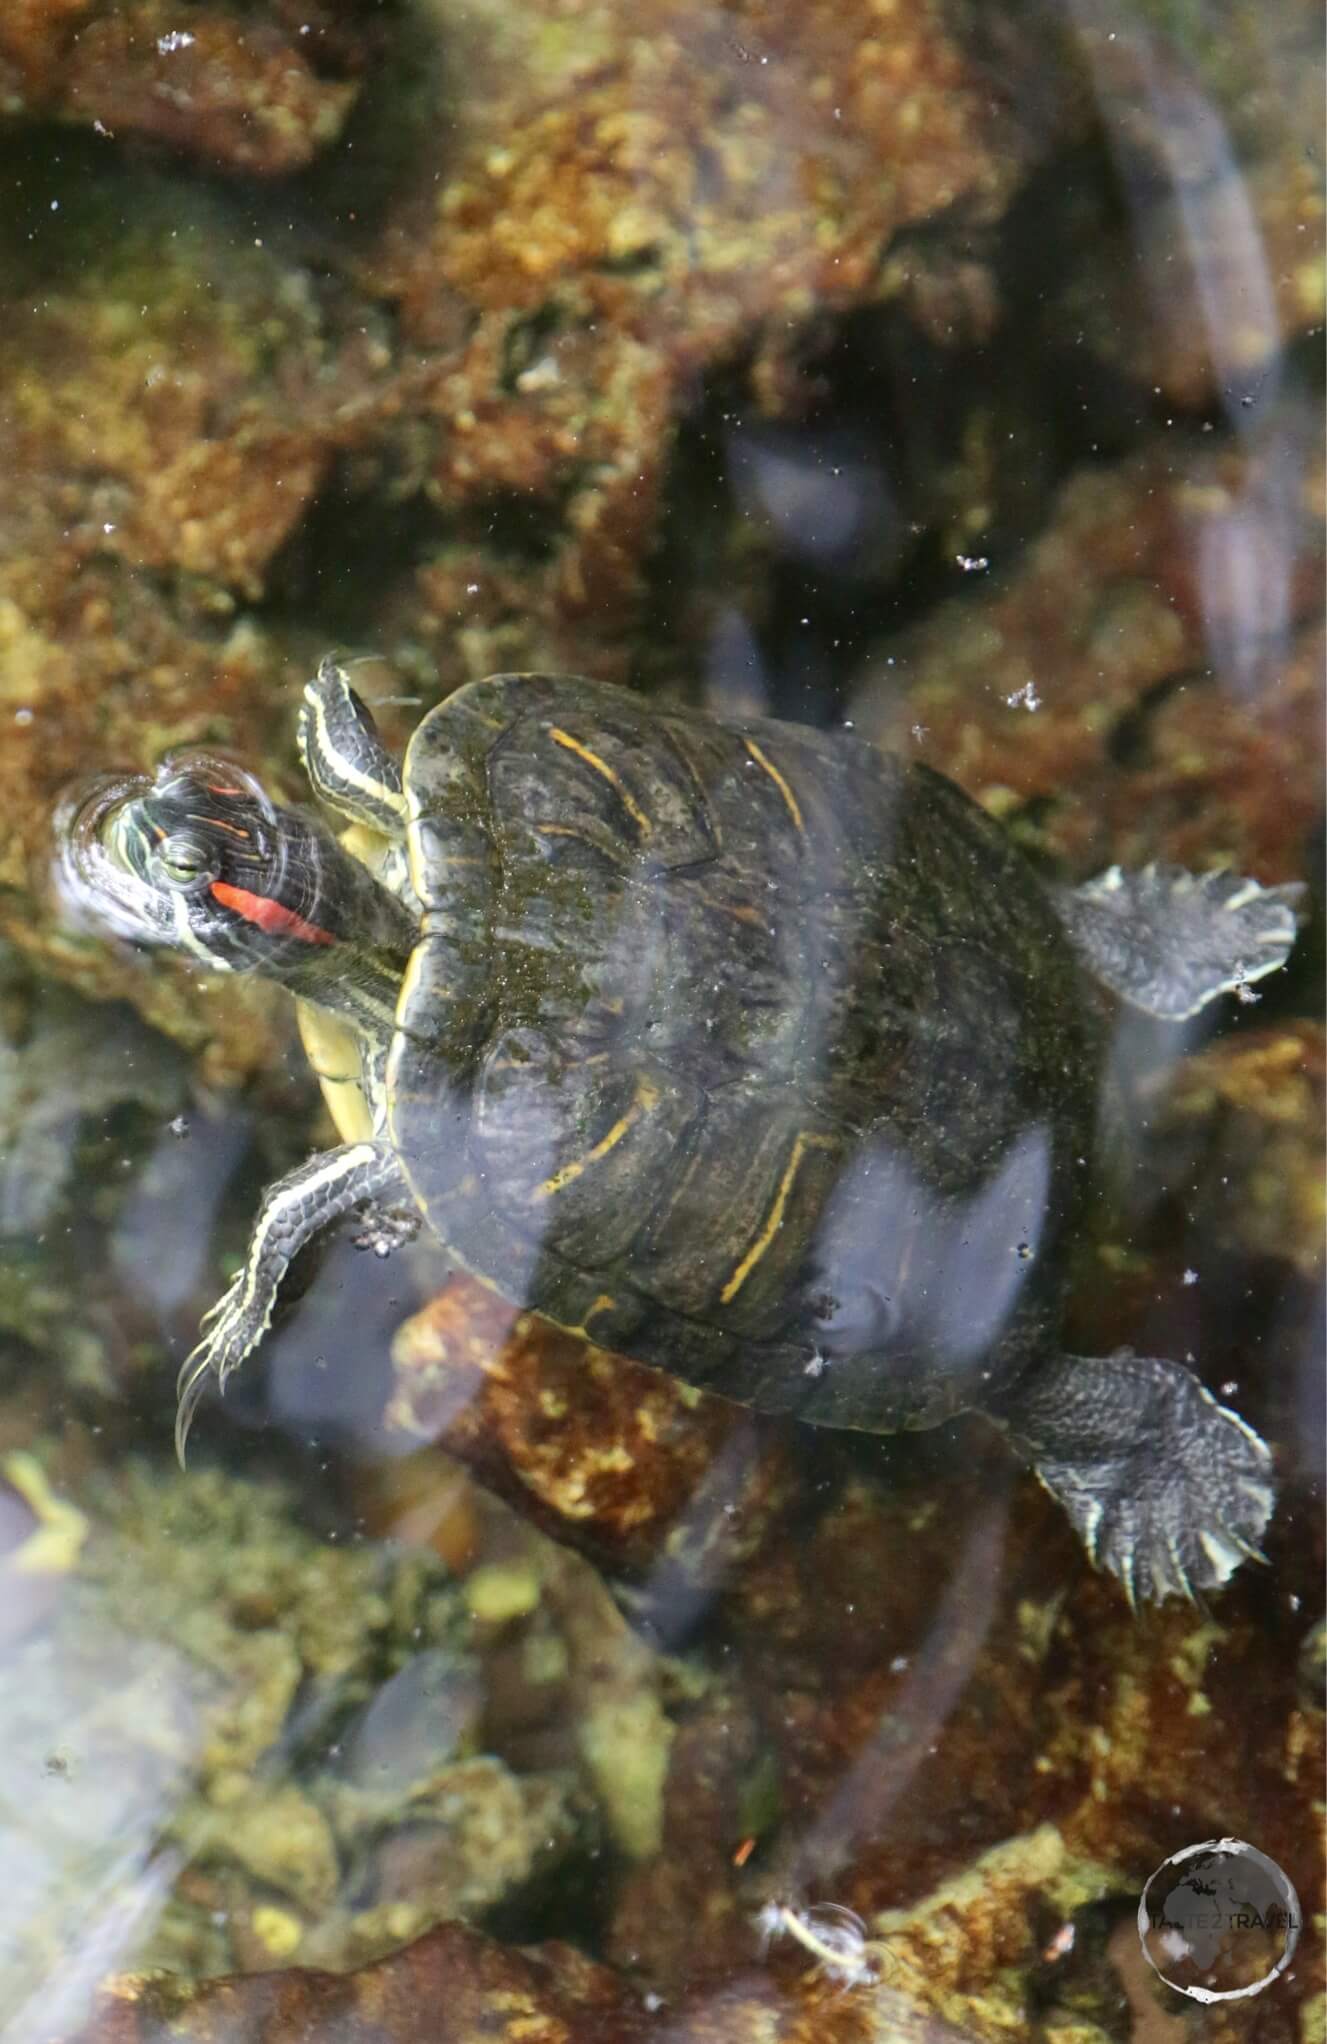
(601, 766)
(647, 1096)
(780, 783)
(774, 1218)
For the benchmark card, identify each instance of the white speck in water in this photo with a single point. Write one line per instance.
(1229, 1388)
(177, 39)
(817, 1366)
(1025, 698)
(898, 1664)
(108, 528)
(973, 564)
(1062, 1942)
(472, 589)
(180, 1125)
(23, 716)
(1190, 1277)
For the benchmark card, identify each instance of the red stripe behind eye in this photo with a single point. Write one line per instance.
(268, 915)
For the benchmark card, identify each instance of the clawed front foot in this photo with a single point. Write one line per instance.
(293, 1211)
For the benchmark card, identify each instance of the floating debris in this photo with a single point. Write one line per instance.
(835, 1937)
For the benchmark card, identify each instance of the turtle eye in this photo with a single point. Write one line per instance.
(183, 859)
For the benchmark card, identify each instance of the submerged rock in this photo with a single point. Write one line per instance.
(1144, 682)
(185, 1770)
(470, 1987)
(1246, 1119)
(253, 90)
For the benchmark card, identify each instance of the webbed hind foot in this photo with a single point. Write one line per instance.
(1168, 1490)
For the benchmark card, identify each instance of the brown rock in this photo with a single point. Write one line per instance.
(253, 91)
(1145, 681)
(466, 1986)
(165, 462)
(629, 201)
(1245, 1121)
(611, 1457)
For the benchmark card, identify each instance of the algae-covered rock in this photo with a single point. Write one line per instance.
(185, 1723)
(1246, 1118)
(625, 201)
(1144, 682)
(249, 89)
(467, 1986)
(165, 458)
(919, 1668)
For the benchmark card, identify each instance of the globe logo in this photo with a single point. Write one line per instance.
(1219, 1921)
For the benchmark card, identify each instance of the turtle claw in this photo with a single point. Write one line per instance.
(192, 1384)
(232, 1328)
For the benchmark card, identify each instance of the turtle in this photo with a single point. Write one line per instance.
(744, 1049)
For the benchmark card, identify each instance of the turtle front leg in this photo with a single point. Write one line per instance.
(1169, 1490)
(348, 764)
(1169, 941)
(293, 1211)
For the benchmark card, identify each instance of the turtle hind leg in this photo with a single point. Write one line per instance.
(1169, 941)
(1168, 1489)
(348, 764)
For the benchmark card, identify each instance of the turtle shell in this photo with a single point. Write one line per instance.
(746, 1050)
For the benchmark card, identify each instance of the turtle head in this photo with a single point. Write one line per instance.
(199, 858)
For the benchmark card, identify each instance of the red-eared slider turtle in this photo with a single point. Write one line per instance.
(747, 1050)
